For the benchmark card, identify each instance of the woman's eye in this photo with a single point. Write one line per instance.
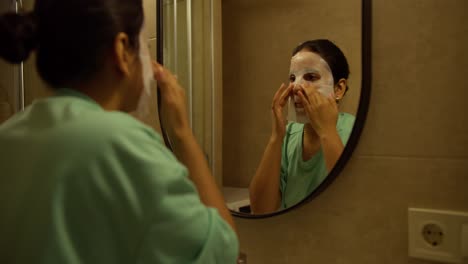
(311, 77)
(292, 78)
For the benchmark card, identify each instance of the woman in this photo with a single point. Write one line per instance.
(298, 156)
(83, 181)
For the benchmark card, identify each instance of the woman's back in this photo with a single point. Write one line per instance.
(82, 185)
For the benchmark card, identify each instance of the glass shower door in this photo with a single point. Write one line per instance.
(20, 84)
(11, 96)
(191, 37)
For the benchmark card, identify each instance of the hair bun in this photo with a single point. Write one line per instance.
(19, 36)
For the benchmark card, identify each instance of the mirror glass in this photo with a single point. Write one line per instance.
(269, 147)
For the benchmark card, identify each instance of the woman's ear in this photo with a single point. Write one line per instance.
(340, 89)
(122, 54)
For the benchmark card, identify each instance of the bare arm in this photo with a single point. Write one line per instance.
(190, 154)
(186, 148)
(265, 196)
(323, 116)
(332, 148)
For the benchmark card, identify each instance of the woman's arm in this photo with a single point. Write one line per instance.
(265, 196)
(186, 148)
(323, 116)
(332, 148)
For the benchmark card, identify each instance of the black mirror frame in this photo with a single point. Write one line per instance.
(361, 116)
(160, 60)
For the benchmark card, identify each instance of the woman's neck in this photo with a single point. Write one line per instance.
(101, 92)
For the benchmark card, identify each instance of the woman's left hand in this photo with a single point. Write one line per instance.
(321, 110)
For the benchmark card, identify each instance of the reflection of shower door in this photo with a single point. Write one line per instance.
(192, 41)
(11, 80)
(19, 84)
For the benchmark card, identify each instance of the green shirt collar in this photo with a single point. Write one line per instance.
(77, 94)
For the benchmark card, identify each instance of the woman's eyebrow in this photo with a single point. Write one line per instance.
(303, 71)
(311, 71)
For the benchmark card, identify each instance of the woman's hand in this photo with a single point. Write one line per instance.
(321, 110)
(173, 99)
(278, 119)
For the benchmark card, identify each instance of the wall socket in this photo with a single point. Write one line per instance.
(433, 235)
(438, 235)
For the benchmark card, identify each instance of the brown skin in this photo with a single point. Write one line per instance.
(321, 131)
(118, 88)
(265, 196)
(185, 145)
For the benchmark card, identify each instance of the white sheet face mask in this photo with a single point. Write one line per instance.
(145, 58)
(312, 72)
(147, 74)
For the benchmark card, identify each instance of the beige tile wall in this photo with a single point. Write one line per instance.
(258, 38)
(413, 151)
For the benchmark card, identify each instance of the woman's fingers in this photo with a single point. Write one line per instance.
(278, 93)
(304, 100)
(279, 126)
(286, 93)
(160, 74)
(332, 102)
(317, 99)
(170, 89)
(164, 77)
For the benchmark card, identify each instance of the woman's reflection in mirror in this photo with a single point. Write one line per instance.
(304, 146)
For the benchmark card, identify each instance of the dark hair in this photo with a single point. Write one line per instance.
(72, 37)
(331, 54)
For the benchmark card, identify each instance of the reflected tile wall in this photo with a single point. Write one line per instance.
(413, 152)
(258, 39)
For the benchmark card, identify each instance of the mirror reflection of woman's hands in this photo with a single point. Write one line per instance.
(278, 119)
(321, 110)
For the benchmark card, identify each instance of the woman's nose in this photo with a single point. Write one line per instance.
(296, 87)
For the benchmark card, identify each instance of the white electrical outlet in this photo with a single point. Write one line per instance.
(438, 235)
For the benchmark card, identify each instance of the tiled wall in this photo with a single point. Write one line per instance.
(258, 38)
(36, 88)
(413, 152)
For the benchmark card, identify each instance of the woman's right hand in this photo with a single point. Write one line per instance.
(174, 106)
(278, 119)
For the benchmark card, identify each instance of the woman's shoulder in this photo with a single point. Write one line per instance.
(115, 130)
(109, 123)
(345, 126)
(346, 121)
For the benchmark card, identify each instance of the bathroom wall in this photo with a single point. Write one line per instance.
(7, 83)
(413, 151)
(35, 88)
(8, 79)
(258, 38)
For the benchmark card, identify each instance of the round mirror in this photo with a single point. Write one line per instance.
(278, 92)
